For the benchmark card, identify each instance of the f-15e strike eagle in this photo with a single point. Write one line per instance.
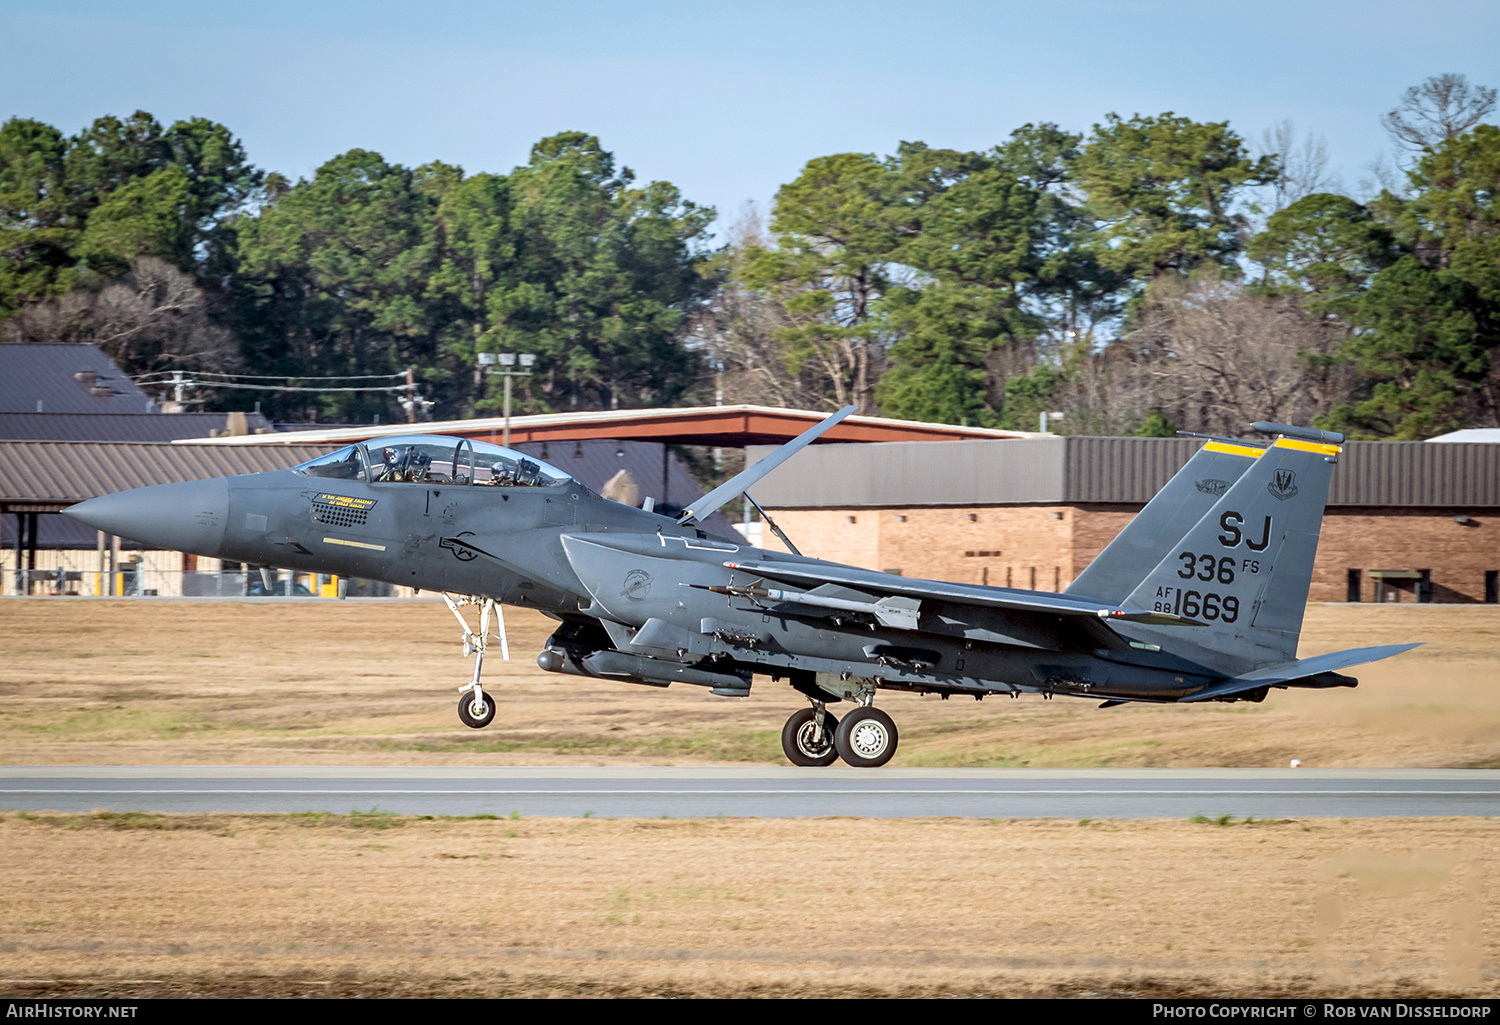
(1199, 598)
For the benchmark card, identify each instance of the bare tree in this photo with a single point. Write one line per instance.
(152, 318)
(1439, 109)
(1110, 392)
(1304, 163)
(1219, 357)
(740, 334)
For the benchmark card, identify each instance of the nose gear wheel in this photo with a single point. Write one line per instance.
(467, 713)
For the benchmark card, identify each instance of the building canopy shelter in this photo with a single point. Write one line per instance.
(49, 476)
(45, 477)
(726, 426)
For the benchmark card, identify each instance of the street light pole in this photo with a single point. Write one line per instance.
(508, 361)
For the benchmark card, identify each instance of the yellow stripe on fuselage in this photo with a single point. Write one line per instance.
(1234, 450)
(1307, 446)
(353, 544)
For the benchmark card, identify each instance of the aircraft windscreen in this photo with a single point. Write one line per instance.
(441, 460)
(344, 464)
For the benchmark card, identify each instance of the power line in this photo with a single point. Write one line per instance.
(279, 387)
(168, 375)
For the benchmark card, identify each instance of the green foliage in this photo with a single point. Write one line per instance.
(144, 217)
(1326, 246)
(981, 240)
(331, 278)
(110, 153)
(1429, 322)
(972, 287)
(1162, 189)
(836, 226)
(1027, 396)
(603, 276)
(36, 237)
(937, 375)
(1156, 426)
(76, 212)
(371, 267)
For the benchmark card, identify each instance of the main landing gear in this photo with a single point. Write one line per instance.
(476, 709)
(807, 737)
(866, 738)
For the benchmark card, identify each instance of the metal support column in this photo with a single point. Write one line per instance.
(30, 548)
(20, 533)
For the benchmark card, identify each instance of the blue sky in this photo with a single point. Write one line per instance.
(726, 101)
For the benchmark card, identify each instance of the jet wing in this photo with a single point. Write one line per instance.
(1297, 669)
(813, 574)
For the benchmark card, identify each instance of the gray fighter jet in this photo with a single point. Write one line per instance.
(1200, 598)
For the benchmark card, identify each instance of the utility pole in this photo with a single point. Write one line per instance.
(718, 401)
(411, 395)
(507, 360)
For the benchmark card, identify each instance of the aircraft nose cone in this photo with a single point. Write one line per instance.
(186, 517)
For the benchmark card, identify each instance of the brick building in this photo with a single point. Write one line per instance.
(1406, 521)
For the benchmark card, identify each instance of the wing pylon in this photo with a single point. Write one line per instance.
(961, 594)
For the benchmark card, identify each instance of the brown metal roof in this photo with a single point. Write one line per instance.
(46, 476)
(728, 426)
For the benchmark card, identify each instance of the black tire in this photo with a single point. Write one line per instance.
(866, 738)
(796, 739)
(466, 714)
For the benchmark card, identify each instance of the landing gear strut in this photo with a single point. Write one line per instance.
(476, 709)
(807, 737)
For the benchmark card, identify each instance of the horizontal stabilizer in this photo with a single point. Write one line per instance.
(1298, 669)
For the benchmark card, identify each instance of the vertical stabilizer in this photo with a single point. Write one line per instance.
(1191, 492)
(1244, 569)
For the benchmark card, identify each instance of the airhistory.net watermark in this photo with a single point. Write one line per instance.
(42, 1009)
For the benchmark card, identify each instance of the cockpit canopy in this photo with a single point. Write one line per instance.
(434, 459)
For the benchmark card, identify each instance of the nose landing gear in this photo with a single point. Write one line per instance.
(476, 709)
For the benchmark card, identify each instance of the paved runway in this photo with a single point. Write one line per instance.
(759, 791)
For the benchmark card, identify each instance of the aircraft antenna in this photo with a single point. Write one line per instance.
(772, 524)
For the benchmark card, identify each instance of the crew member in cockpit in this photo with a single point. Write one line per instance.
(390, 468)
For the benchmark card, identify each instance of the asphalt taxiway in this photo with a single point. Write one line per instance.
(770, 792)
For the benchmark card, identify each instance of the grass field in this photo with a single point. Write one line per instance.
(180, 682)
(151, 905)
(374, 904)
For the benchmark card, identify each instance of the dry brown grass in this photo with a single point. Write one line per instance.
(179, 682)
(329, 905)
(142, 905)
